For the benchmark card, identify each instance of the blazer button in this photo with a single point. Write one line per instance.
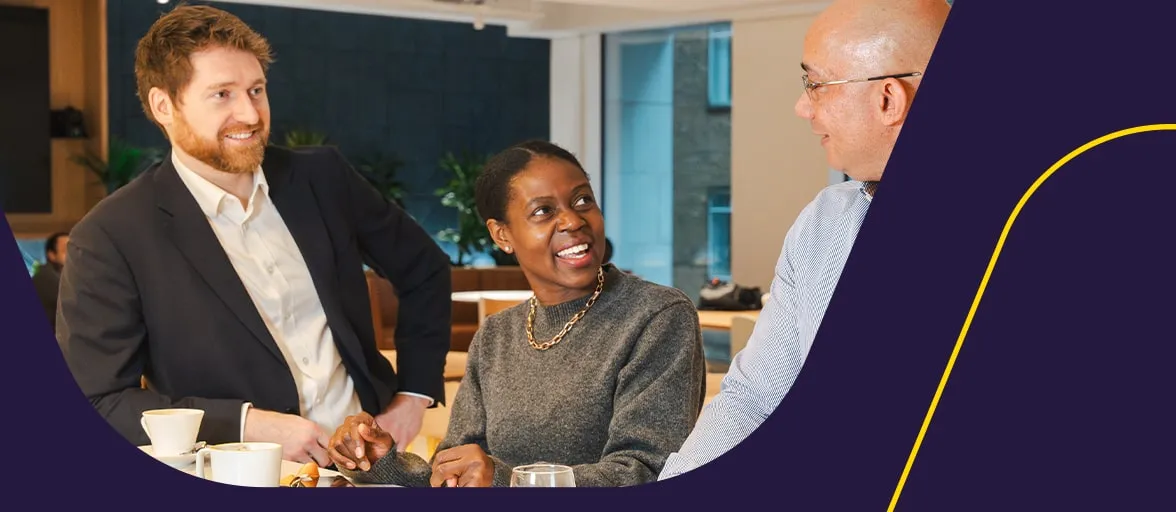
(291, 410)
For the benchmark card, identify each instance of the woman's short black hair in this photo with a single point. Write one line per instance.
(492, 190)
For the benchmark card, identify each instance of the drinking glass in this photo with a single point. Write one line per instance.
(542, 474)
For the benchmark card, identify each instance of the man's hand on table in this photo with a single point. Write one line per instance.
(302, 440)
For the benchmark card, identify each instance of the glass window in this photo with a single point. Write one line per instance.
(719, 67)
(718, 228)
(32, 251)
(667, 153)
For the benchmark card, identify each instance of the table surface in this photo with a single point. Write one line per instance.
(722, 319)
(509, 295)
(326, 476)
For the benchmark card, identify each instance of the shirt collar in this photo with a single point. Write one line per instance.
(861, 186)
(867, 186)
(210, 197)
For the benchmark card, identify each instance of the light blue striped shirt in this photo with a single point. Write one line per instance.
(810, 263)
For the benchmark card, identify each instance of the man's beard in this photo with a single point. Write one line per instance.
(236, 160)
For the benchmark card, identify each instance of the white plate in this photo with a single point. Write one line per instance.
(290, 467)
(187, 463)
(327, 477)
(175, 461)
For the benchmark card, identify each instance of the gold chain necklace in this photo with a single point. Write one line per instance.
(567, 327)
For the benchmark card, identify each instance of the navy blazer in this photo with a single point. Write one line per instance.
(149, 292)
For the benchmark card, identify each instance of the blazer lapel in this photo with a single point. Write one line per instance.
(298, 206)
(190, 232)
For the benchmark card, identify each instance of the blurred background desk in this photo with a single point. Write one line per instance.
(724, 334)
(725, 319)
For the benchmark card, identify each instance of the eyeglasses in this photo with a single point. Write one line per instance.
(809, 86)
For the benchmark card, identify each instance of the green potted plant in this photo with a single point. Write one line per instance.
(300, 137)
(124, 163)
(380, 170)
(470, 236)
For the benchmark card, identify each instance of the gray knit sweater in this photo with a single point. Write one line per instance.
(613, 399)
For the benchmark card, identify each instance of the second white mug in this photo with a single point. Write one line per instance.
(244, 464)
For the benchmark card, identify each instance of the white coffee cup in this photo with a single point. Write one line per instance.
(172, 431)
(245, 464)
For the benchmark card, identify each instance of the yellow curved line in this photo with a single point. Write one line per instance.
(984, 284)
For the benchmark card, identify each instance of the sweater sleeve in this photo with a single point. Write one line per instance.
(467, 425)
(660, 391)
(403, 469)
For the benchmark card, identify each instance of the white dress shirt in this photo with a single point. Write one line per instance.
(271, 267)
(814, 253)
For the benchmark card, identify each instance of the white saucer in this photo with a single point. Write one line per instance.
(175, 461)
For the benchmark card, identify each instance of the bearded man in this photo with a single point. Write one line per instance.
(230, 277)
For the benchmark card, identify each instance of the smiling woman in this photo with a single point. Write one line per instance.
(607, 365)
(538, 205)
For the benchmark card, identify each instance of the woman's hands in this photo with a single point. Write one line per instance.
(359, 442)
(462, 466)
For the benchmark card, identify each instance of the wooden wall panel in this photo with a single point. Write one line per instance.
(77, 63)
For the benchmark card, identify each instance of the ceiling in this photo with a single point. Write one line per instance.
(559, 18)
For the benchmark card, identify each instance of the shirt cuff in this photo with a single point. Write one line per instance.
(426, 397)
(244, 411)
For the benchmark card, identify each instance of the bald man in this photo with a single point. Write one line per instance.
(862, 62)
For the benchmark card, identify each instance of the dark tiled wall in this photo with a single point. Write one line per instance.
(412, 88)
(702, 161)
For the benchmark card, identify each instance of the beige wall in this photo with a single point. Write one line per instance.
(77, 77)
(777, 165)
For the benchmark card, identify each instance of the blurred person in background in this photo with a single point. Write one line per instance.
(47, 278)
